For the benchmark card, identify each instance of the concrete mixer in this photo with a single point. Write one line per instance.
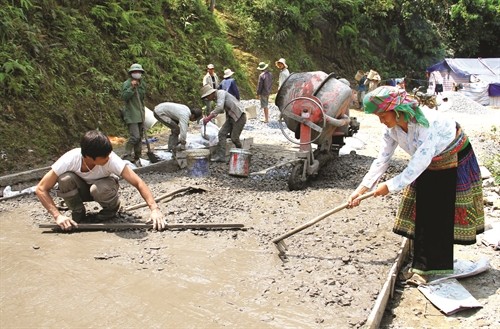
(314, 109)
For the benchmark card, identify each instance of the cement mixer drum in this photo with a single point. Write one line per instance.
(308, 88)
(314, 108)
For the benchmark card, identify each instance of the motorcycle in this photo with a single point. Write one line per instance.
(423, 98)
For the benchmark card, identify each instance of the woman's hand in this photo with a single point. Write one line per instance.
(353, 200)
(381, 189)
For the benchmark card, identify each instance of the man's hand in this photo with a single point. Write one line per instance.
(207, 119)
(158, 220)
(65, 222)
(134, 83)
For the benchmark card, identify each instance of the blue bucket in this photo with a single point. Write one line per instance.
(198, 162)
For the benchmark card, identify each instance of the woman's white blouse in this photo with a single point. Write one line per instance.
(420, 142)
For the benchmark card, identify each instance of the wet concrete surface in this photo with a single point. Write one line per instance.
(330, 278)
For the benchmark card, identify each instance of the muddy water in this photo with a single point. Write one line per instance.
(74, 280)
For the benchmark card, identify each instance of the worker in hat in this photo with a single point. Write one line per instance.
(211, 79)
(442, 201)
(229, 84)
(133, 92)
(372, 80)
(235, 118)
(264, 87)
(176, 116)
(284, 73)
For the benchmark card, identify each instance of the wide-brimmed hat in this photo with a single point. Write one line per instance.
(228, 73)
(135, 67)
(262, 66)
(206, 90)
(210, 66)
(282, 61)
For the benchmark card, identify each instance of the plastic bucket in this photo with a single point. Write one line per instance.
(198, 162)
(239, 162)
(149, 119)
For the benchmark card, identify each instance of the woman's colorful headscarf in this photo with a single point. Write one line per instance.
(387, 98)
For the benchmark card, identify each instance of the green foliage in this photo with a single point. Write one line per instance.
(474, 27)
(62, 64)
(347, 34)
(492, 162)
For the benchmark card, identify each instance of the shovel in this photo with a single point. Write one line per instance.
(280, 244)
(151, 155)
(204, 135)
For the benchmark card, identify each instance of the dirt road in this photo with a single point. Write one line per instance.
(234, 278)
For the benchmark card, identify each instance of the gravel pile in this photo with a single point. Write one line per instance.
(458, 103)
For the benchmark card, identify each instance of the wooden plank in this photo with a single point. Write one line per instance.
(126, 226)
(387, 291)
(25, 176)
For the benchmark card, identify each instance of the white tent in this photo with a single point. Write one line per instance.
(478, 77)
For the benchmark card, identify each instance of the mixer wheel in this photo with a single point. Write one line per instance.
(296, 182)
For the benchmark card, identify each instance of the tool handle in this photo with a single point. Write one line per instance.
(320, 217)
(122, 226)
(161, 197)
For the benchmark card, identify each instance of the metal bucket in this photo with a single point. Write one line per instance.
(198, 162)
(239, 162)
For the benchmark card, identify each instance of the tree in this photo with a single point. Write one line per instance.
(474, 27)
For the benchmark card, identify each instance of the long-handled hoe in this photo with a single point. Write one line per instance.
(280, 244)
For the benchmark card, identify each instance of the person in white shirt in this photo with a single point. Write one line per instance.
(90, 173)
(284, 73)
(435, 82)
(442, 201)
(211, 79)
